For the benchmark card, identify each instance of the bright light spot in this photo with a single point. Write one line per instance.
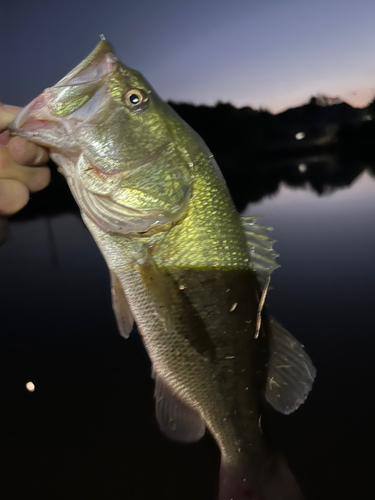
(302, 167)
(300, 135)
(30, 386)
(367, 118)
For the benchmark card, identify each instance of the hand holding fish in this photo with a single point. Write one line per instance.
(18, 159)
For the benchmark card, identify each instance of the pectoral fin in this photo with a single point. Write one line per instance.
(156, 285)
(123, 314)
(176, 420)
(290, 371)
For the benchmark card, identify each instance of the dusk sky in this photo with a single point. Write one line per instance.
(260, 53)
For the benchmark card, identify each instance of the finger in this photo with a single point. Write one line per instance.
(26, 152)
(13, 196)
(4, 138)
(35, 178)
(38, 179)
(7, 113)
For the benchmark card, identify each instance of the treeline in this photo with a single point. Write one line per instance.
(225, 127)
(323, 124)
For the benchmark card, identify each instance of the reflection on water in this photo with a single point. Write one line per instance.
(77, 398)
(322, 174)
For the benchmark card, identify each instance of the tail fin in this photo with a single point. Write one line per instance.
(274, 482)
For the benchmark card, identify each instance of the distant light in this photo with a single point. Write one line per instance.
(367, 117)
(30, 386)
(302, 167)
(300, 135)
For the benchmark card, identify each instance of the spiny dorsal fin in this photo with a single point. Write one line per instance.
(290, 371)
(176, 420)
(260, 246)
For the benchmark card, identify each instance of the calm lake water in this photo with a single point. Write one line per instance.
(87, 431)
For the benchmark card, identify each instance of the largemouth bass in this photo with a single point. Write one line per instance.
(184, 266)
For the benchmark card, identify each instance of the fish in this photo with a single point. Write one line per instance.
(184, 266)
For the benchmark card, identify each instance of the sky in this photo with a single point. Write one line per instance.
(272, 54)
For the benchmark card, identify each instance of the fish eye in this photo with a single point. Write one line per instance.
(133, 98)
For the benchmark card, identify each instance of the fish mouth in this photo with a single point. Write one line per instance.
(31, 118)
(98, 64)
(39, 118)
(36, 123)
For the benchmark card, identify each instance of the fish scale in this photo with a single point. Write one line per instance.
(211, 234)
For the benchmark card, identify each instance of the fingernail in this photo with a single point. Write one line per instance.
(39, 156)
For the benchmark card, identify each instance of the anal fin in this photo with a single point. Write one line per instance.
(176, 420)
(290, 371)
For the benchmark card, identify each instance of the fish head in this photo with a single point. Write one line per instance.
(100, 99)
(115, 140)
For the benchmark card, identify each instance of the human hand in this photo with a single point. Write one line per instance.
(22, 166)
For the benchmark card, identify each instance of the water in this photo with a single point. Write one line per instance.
(87, 429)
(324, 294)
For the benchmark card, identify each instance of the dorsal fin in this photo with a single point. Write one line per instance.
(260, 246)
